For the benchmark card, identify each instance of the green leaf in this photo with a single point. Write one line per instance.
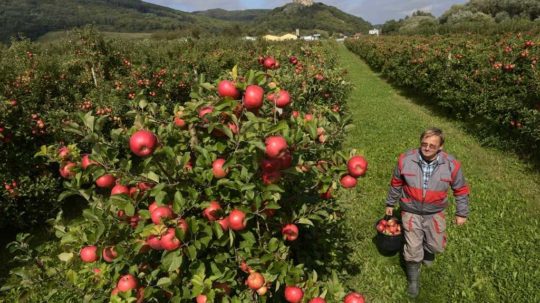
(305, 221)
(165, 281)
(143, 103)
(89, 121)
(65, 257)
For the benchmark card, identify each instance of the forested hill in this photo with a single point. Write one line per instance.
(34, 18)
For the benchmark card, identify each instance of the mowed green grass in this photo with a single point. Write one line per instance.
(493, 258)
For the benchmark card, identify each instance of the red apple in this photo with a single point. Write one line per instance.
(143, 143)
(169, 241)
(308, 117)
(290, 232)
(286, 160)
(205, 110)
(119, 189)
(269, 62)
(262, 291)
(106, 181)
(271, 164)
(227, 88)
(127, 283)
(293, 294)
(255, 280)
(63, 152)
(109, 254)
(354, 297)
(154, 242)
(270, 177)
(317, 300)
(66, 170)
(253, 97)
(89, 254)
(183, 225)
(217, 168)
(282, 99)
(201, 299)
(357, 166)
(212, 211)
(233, 127)
(161, 212)
(85, 161)
(348, 181)
(144, 186)
(224, 223)
(275, 146)
(179, 122)
(237, 220)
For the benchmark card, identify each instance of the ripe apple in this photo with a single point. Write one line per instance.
(85, 161)
(109, 254)
(290, 232)
(317, 300)
(295, 113)
(66, 170)
(275, 146)
(119, 189)
(354, 297)
(143, 143)
(308, 117)
(255, 280)
(328, 194)
(63, 152)
(183, 225)
(270, 164)
(205, 110)
(357, 166)
(270, 177)
(154, 242)
(161, 212)
(253, 97)
(293, 294)
(227, 88)
(282, 99)
(224, 223)
(237, 220)
(348, 181)
(169, 241)
(262, 291)
(285, 160)
(233, 127)
(127, 283)
(201, 299)
(106, 181)
(217, 168)
(179, 122)
(144, 186)
(244, 267)
(212, 212)
(269, 62)
(89, 254)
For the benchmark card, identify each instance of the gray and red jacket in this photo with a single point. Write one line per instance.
(406, 185)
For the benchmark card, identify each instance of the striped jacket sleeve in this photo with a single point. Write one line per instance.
(460, 189)
(394, 193)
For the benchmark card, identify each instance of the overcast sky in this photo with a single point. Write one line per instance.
(374, 11)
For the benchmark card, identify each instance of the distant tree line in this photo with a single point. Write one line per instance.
(477, 16)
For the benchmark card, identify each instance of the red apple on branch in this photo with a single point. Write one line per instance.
(354, 297)
(275, 146)
(293, 294)
(109, 254)
(161, 213)
(255, 280)
(106, 181)
(290, 232)
(127, 283)
(348, 181)
(143, 143)
(357, 166)
(237, 220)
(227, 88)
(253, 97)
(212, 212)
(89, 254)
(217, 168)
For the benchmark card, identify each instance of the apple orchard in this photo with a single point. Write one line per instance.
(206, 197)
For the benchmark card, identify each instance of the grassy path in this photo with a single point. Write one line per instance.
(493, 258)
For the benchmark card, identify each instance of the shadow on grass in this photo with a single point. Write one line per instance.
(41, 233)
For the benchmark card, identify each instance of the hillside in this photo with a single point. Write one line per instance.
(33, 18)
(318, 16)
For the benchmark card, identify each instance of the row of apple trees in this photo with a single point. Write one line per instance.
(491, 82)
(209, 171)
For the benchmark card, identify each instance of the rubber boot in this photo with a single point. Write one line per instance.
(428, 258)
(413, 277)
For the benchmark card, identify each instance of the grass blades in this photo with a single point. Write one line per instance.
(493, 258)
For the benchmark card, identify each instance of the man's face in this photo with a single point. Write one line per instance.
(430, 146)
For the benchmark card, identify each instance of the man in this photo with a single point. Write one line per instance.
(420, 182)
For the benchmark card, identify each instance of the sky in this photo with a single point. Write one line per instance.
(373, 11)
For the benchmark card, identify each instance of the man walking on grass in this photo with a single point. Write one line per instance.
(420, 183)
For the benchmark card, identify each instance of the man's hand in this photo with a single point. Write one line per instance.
(460, 220)
(389, 210)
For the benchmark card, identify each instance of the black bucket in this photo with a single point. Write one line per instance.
(389, 243)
